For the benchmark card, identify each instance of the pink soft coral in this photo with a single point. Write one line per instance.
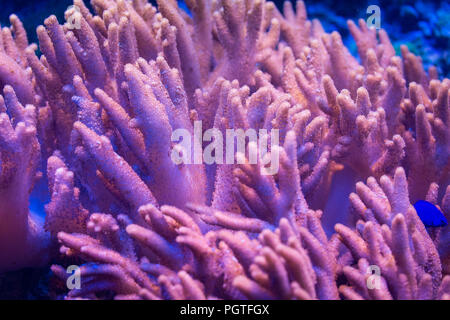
(98, 108)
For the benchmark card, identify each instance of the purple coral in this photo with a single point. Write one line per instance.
(97, 110)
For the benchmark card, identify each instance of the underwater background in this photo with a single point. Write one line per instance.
(421, 25)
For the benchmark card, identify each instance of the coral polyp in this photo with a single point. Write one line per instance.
(90, 120)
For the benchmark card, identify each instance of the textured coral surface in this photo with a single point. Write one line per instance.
(89, 123)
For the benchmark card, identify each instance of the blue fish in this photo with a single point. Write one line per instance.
(430, 215)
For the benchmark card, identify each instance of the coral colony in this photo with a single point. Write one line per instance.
(124, 118)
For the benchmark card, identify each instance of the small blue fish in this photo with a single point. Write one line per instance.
(430, 215)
